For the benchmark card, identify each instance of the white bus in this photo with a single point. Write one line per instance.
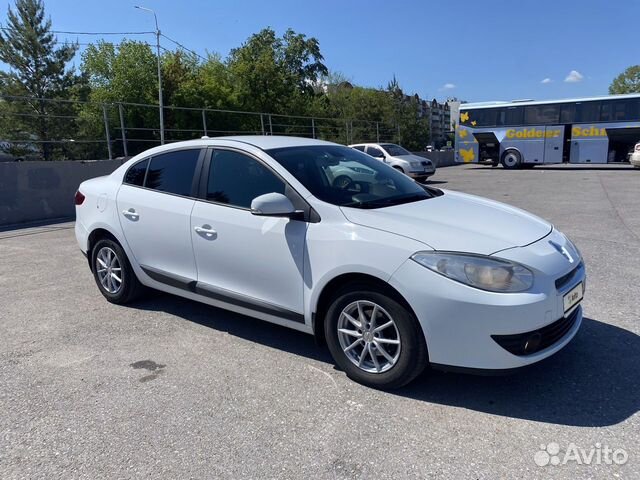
(524, 133)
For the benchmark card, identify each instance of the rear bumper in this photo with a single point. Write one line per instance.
(634, 159)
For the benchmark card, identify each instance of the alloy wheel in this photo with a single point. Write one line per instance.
(368, 336)
(109, 270)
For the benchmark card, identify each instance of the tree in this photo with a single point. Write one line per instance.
(125, 72)
(276, 75)
(627, 82)
(37, 68)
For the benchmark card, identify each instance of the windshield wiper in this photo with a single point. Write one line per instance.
(390, 201)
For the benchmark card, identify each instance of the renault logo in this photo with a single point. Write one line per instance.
(562, 250)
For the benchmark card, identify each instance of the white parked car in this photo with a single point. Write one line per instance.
(634, 158)
(394, 275)
(415, 166)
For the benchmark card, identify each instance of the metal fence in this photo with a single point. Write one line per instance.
(55, 129)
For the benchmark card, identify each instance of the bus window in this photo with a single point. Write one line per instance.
(567, 113)
(619, 110)
(484, 117)
(501, 117)
(587, 112)
(541, 114)
(514, 116)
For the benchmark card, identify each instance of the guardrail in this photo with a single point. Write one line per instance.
(58, 129)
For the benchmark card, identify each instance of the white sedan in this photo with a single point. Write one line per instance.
(395, 276)
(414, 166)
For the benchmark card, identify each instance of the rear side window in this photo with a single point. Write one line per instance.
(236, 179)
(359, 147)
(375, 152)
(173, 172)
(135, 175)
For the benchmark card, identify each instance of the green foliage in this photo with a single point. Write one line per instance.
(275, 75)
(37, 68)
(627, 82)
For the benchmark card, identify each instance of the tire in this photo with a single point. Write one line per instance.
(399, 169)
(511, 159)
(103, 254)
(409, 355)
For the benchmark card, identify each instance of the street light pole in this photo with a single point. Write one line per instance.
(159, 73)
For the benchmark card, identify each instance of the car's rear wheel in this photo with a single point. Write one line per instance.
(113, 273)
(374, 338)
(511, 159)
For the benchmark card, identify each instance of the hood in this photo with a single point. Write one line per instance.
(412, 158)
(456, 222)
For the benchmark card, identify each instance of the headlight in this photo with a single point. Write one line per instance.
(415, 164)
(485, 273)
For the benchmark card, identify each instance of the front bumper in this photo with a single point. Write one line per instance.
(462, 324)
(422, 175)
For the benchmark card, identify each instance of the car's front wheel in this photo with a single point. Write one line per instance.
(375, 339)
(113, 273)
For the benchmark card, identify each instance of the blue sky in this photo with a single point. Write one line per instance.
(476, 50)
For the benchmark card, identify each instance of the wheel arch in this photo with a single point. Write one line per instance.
(335, 284)
(95, 236)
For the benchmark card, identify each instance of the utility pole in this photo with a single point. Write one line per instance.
(159, 73)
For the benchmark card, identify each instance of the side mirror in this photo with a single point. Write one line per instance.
(381, 156)
(275, 205)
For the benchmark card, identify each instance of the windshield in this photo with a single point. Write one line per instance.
(346, 177)
(394, 150)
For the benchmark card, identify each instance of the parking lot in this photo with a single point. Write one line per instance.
(172, 388)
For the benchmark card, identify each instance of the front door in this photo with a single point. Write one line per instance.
(154, 207)
(245, 260)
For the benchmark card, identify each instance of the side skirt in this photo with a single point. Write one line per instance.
(221, 295)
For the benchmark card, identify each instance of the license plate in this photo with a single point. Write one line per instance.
(573, 297)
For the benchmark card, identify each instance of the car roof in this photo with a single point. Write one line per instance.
(264, 142)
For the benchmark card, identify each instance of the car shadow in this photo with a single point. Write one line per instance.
(593, 382)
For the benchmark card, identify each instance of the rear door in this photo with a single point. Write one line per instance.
(154, 207)
(553, 144)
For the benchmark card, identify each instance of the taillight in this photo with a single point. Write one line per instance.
(637, 147)
(78, 198)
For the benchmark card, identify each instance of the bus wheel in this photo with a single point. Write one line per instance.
(511, 159)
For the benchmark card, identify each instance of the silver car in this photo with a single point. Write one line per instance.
(416, 167)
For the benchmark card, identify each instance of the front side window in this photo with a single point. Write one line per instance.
(346, 177)
(236, 179)
(173, 172)
(394, 150)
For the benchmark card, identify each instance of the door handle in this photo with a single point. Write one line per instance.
(131, 214)
(206, 231)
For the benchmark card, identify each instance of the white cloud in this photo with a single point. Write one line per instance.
(546, 80)
(448, 86)
(574, 77)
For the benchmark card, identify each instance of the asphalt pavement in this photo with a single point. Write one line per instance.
(169, 388)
